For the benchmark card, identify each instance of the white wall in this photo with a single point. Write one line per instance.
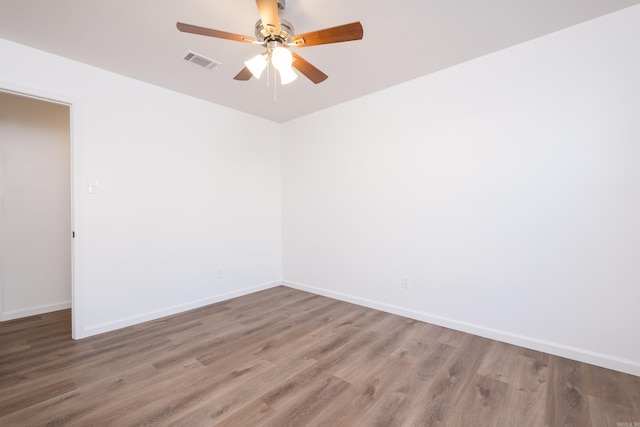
(35, 210)
(506, 188)
(185, 188)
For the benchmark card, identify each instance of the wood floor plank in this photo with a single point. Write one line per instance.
(413, 344)
(391, 410)
(256, 413)
(309, 404)
(632, 385)
(526, 394)
(607, 385)
(258, 341)
(604, 413)
(307, 333)
(387, 343)
(427, 369)
(102, 402)
(282, 394)
(461, 368)
(13, 402)
(426, 413)
(359, 399)
(426, 376)
(223, 402)
(567, 404)
(496, 364)
(287, 357)
(481, 403)
(162, 407)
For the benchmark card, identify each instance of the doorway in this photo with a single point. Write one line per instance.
(36, 246)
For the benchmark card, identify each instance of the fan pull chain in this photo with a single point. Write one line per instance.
(269, 73)
(275, 87)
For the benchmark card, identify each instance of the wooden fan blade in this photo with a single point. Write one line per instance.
(310, 72)
(341, 33)
(268, 10)
(187, 28)
(243, 75)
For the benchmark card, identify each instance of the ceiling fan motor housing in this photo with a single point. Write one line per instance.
(286, 32)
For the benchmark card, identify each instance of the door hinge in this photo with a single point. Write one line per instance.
(73, 234)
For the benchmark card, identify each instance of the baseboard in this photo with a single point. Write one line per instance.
(32, 311)
(179, 308)
(557, 349)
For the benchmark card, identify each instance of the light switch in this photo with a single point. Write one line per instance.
(93, 187)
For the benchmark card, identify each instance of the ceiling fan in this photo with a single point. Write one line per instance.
(277, 36)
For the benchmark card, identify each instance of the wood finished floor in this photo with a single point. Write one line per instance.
(284, 357)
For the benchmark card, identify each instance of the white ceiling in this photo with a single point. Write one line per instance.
(402, 41)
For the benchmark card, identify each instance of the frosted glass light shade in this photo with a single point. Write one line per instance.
(287, 75)
(281, 58)
(256, 65)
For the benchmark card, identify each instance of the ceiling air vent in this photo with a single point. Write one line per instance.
(200, 60)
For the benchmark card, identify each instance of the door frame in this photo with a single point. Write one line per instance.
(75, 110)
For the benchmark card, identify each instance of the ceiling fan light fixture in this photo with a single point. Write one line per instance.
(281, 58)
(287, 75)
(256, 65)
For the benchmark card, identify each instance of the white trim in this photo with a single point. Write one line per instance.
(75, 108)
(599, 359)
(77, 314)
(1, 240)
(168, 311)
(32, 311)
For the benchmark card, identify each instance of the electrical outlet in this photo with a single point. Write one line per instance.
(404, 282)
(219, 273)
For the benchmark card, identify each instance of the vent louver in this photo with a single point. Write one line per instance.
(201, 60)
